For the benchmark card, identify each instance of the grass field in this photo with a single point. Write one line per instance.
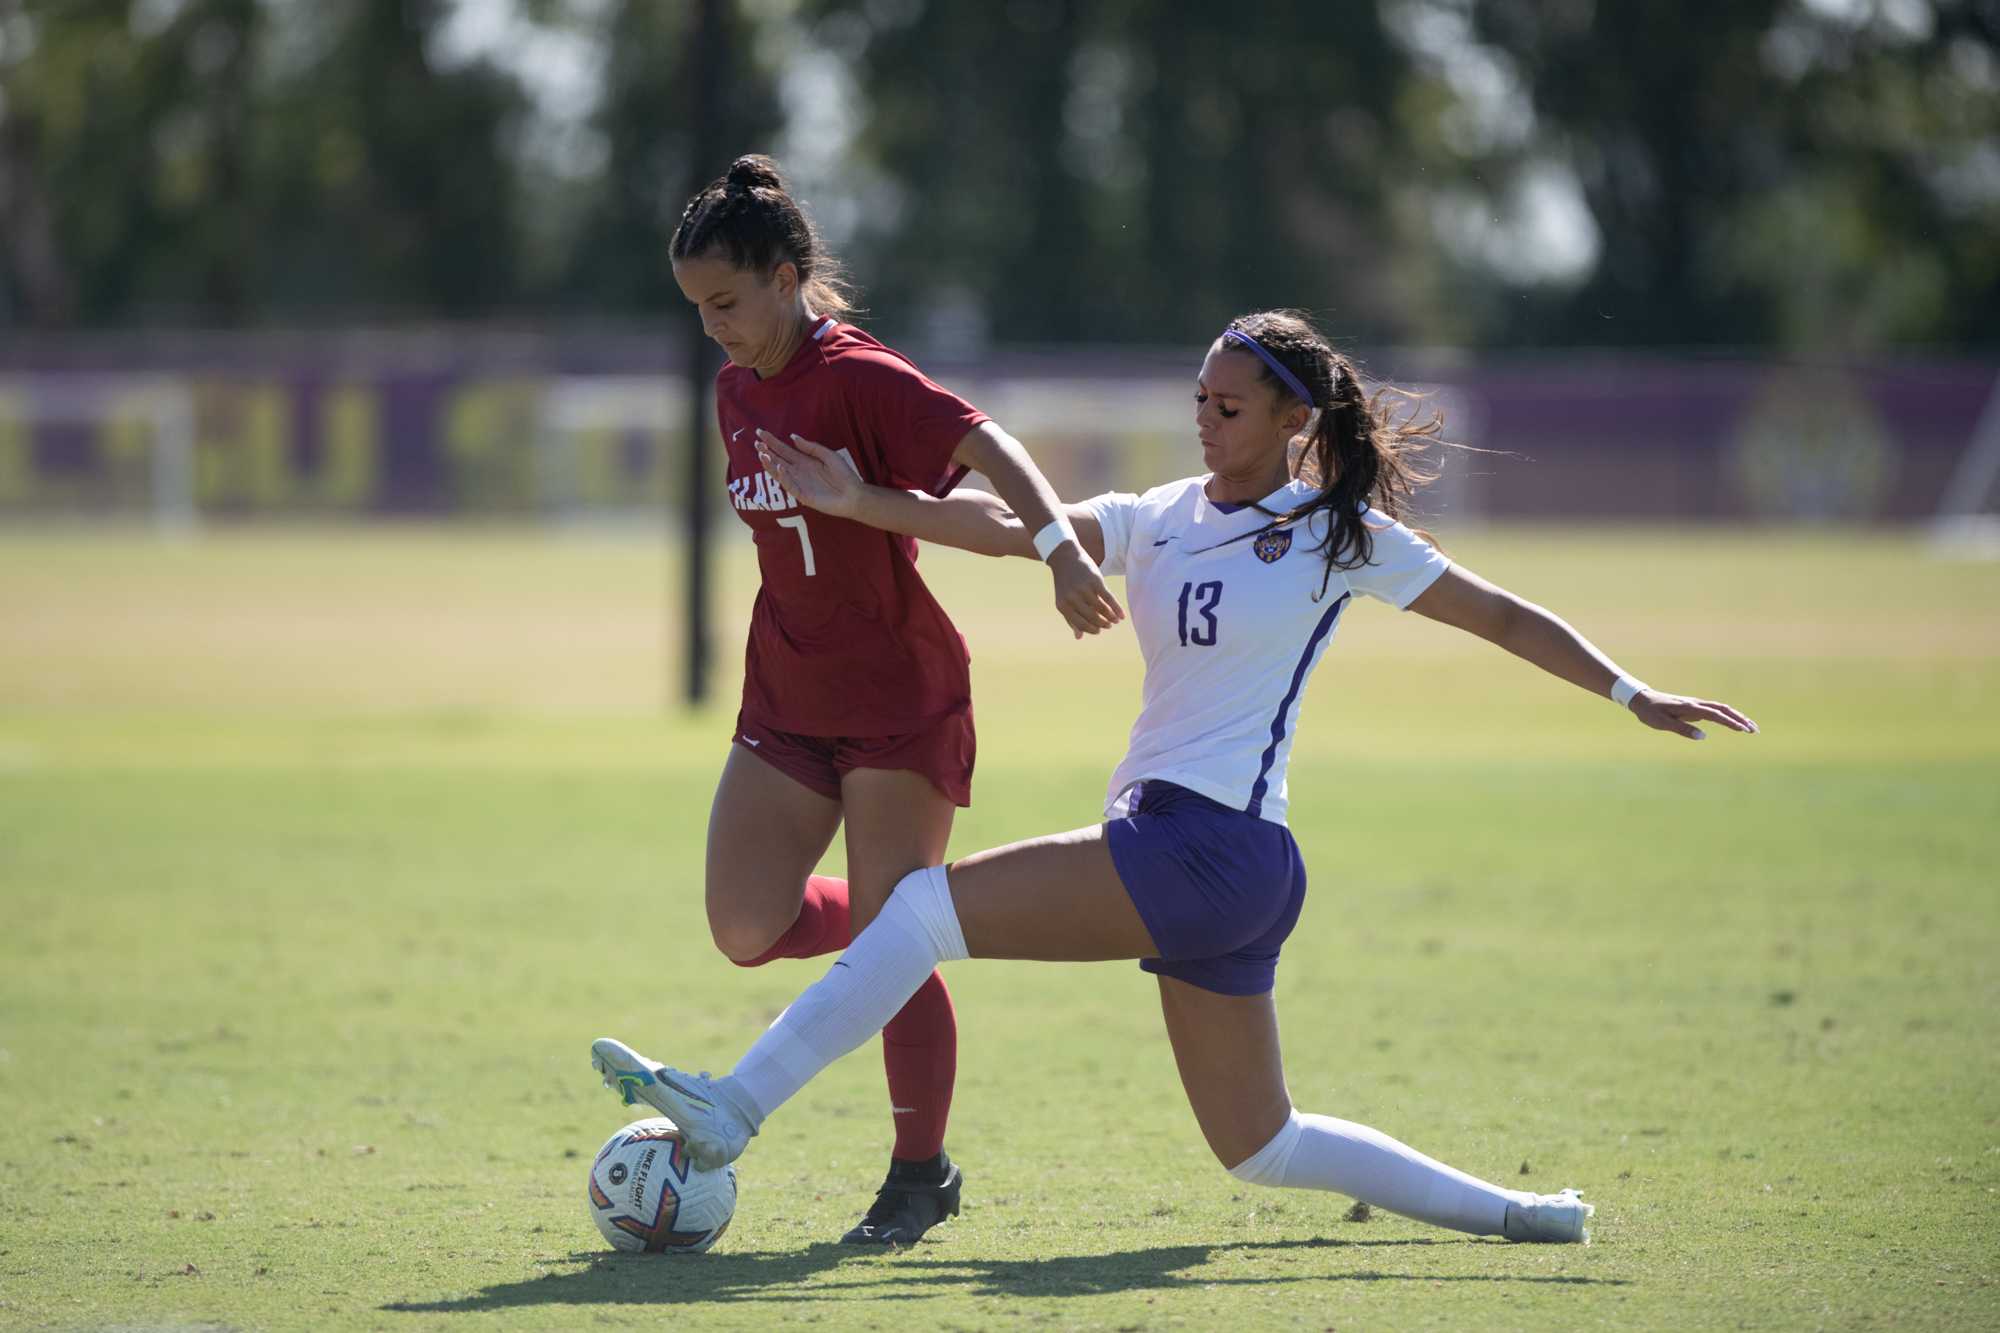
(324, 856)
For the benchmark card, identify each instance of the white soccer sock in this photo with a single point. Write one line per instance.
(1322, 1153)
(865, 988)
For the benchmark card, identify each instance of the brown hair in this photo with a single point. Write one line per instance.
(1359, 453)
(748, 217)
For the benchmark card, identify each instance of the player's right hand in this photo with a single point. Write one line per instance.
(815, 475)
(1081, 594)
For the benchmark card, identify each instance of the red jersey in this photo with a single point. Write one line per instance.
(845, 639)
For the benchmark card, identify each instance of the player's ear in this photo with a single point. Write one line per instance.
(785, 277)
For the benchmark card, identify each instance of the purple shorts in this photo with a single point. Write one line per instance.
(1219, 890)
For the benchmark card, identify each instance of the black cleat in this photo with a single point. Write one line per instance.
(904, 1209)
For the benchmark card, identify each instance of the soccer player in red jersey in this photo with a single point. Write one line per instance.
(857, 700)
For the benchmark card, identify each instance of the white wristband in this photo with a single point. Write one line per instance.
(1054, 534)
(1624, 688)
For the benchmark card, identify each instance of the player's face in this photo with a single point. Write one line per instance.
(750, 314)
(1244, 425)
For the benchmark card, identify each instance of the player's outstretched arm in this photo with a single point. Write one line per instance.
(970, 520)
(1081, 596)
(1534, 634)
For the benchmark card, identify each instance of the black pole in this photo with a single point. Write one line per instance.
(708, 54)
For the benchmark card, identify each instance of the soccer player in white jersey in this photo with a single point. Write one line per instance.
(1236, 581)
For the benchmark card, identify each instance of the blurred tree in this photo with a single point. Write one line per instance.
(221, 160)
(1812, 174)
(1794, 171)
(33, 277)
(385, 182)
(1131, 169)
(1273, 159)
(1885, 225)
(102, 136)
(1662, 114)
(1720, 172)
(646, 119)
(227, 236)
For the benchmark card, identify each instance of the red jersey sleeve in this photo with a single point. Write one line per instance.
(916, 424)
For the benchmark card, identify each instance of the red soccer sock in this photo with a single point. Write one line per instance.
(920, 1053)
(821, 926)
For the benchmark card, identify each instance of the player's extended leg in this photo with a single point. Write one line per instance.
(766, 832)
(1056, 898)
(1231, 1068)
(1053, 899)
(897, 821)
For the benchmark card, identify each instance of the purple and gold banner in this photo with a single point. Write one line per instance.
(497, 424)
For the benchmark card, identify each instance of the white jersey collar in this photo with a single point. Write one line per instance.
(1278, 499)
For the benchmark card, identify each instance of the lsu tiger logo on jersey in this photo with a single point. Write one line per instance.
(1271, 546)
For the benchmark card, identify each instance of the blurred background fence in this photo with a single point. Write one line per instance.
(477, 424)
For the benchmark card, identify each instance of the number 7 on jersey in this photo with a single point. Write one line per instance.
(798, 521)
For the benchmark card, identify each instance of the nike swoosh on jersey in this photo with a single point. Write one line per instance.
(1164, 540)
(738, 431)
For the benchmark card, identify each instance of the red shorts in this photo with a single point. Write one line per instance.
(941, 752)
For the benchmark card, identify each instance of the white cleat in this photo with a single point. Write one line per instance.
(1558, 1219)
(715, 1132)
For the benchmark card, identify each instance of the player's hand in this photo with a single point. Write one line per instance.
(1681, 715)
(1085, 602)
(815, 475)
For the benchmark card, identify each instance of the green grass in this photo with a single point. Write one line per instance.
(322, 858)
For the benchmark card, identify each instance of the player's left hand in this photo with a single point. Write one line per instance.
(1081, 595)
(1679, 714)
(816, 476)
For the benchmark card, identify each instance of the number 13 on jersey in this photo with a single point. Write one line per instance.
(1205, 598)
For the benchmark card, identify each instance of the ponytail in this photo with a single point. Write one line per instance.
(1358, 453)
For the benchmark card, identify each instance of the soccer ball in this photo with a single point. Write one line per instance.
(647, 1195)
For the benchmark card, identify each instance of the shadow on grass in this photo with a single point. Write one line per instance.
(622, 1279)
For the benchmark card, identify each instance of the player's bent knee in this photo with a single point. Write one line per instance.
(744, 943)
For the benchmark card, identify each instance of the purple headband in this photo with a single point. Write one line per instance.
(1290, 380)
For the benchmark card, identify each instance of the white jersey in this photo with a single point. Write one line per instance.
(1231, 620)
